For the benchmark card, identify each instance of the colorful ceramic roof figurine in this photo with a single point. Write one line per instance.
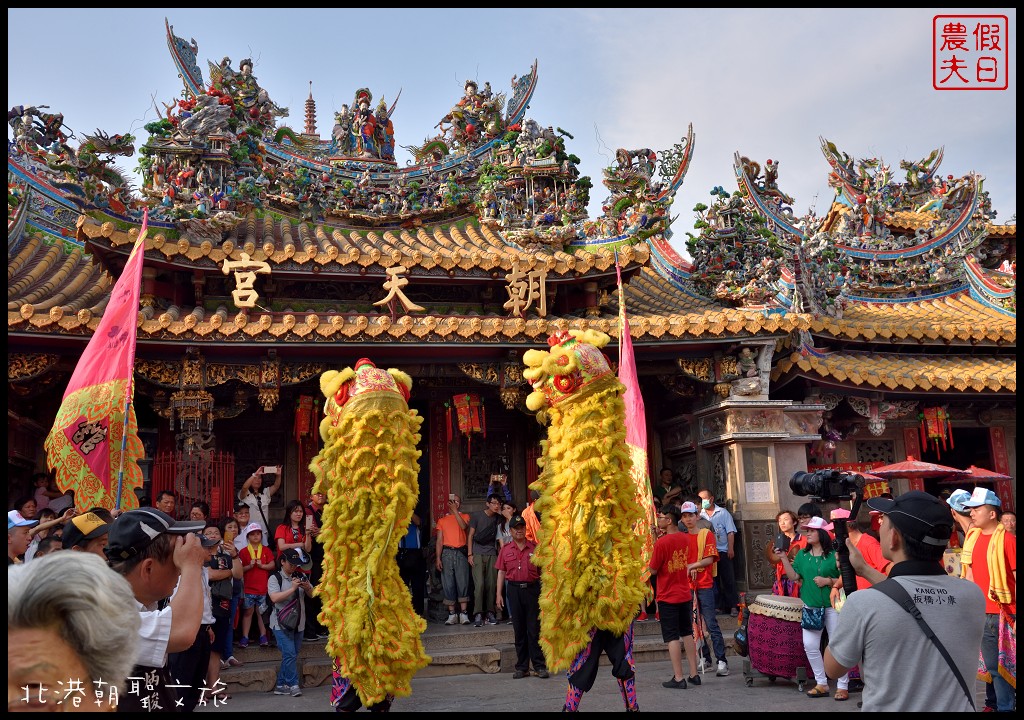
(492, 209)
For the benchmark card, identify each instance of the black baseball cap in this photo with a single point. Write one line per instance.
(83, 528)
(297, 557)
(134, 531)
(917, 515)
(517, 521)
(207, 542)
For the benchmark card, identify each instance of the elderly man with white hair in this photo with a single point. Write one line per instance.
(72, 634)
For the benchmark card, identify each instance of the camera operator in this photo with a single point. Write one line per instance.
(869, 549)
(903, 670)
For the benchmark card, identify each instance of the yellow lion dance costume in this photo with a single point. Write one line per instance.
(368, 469)
(591, 559)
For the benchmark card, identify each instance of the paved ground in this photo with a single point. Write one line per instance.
(500, 693)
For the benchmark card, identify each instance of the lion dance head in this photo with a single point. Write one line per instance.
(368, 469)
(592, 560)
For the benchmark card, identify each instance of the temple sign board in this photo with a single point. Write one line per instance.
(394, 285)
(245, 271)
(523, 288)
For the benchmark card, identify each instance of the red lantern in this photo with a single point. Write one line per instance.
(470, 417)
(303, 417)
(936, 428)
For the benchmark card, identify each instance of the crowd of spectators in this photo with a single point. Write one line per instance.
(199, 583)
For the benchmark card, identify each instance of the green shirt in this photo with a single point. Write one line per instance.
(808, 567)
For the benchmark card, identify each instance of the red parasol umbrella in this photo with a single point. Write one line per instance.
(916, 469)
(978, 473)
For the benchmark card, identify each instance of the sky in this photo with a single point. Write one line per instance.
(764, 83)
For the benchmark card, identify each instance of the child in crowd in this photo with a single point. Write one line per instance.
(257, 562)
(43, 494)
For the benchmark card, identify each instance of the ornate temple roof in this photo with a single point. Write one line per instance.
(461, 243)
(914, 263)
(905, 372)
(49, 293)
(956, 317)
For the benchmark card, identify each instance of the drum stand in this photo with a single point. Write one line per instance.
(749, 674)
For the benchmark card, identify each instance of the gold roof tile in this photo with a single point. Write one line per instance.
(912, 372)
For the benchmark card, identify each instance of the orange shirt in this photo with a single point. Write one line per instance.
(532, 523)
(451, 534)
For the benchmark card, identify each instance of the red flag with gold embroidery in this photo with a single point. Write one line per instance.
(636, 425)
(84, 444)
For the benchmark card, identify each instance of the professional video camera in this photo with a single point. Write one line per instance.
(827, 484)
(834, 485)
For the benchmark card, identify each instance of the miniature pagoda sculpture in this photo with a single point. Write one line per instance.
(737, 259)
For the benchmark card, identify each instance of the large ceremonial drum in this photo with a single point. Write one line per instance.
(774, 638)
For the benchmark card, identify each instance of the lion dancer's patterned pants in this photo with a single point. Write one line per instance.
(583, 671)
(344, 697)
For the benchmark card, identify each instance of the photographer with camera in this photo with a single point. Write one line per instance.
(904, 669)
(286, 590)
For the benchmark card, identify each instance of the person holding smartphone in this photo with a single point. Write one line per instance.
(452, 561)
(258, 498)
(292, 532)
(787, 541)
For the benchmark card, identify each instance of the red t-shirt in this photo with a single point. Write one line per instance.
(672, 553)
(871, 549)
(289, 535)
(451, 534)
(254, 579)
(979, 563)
(705, 579)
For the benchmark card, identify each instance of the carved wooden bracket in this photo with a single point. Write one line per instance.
(194, 372)
(26, 366)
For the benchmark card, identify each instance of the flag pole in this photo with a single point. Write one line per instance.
(621, 298)
(131, 376)
(124, 445)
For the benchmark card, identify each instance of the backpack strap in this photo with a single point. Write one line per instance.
(280, 584)
(901, 597)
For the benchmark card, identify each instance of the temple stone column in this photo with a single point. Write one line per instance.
(747, 450)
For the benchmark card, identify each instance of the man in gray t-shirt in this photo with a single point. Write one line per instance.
(903, 671)
(483, 554)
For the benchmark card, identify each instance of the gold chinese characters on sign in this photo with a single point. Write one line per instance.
(245, 275)
(394, 285)
(523, 288)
